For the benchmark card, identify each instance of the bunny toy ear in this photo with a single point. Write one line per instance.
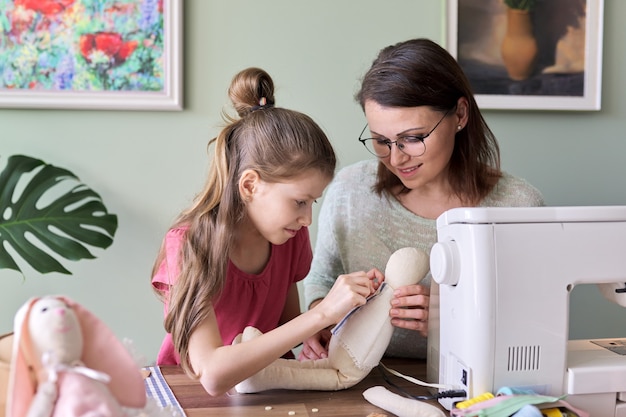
(104, 352)
(22, 380)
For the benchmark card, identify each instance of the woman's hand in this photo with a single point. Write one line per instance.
(409, 308)
(316, 346)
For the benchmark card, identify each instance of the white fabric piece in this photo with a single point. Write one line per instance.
(400, 406)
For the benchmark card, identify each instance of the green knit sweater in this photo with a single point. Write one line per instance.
(358, 230)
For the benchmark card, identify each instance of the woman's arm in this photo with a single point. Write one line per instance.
(222, 367)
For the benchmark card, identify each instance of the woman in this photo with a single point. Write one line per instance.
(434, 152)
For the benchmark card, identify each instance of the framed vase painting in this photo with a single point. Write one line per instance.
(529, 54)
(91, 54)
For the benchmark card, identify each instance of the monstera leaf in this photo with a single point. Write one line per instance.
(46, 209)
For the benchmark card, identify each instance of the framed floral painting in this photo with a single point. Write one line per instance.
(529, 54)
(91, 54)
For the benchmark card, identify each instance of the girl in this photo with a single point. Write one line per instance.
(233, 258)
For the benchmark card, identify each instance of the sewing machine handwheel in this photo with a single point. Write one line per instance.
(444, 263)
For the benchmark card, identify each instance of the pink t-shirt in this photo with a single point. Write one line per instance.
(247, 299)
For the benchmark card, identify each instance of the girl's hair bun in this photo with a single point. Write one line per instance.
(250, 90)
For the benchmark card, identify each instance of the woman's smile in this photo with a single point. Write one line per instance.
(408, 172)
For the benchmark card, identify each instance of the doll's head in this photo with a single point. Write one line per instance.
(405, 265)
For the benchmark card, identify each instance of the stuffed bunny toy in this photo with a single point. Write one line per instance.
(67, 363)
(358, 342)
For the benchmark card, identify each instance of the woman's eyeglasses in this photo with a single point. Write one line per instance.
(412, 145)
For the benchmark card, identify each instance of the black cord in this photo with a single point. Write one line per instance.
(442, 394)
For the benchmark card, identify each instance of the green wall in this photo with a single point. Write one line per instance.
(148, 165)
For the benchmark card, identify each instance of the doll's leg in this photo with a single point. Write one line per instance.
(321, 374)
(306, 375)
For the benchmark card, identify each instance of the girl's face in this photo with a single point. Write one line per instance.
(397, 122)
(279, 210)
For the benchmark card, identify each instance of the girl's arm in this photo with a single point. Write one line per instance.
(222, 367)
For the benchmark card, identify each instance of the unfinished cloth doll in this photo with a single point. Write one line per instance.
(68, 363)
(358, 343)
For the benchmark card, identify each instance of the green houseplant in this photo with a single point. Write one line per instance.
(46, 210)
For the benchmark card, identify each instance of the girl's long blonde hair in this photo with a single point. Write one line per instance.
(276, 143)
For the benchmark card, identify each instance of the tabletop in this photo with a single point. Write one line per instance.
(349, 402)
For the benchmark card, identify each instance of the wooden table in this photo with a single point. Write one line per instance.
(349, 403)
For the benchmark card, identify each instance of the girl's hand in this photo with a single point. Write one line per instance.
(316, 346)
(348, 292)
(409, 308)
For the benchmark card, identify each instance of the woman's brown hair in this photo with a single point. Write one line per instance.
(419, 72)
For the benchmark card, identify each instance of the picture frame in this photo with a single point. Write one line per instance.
(567, 71)
(91, 54)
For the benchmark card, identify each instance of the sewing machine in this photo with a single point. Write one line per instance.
(500, 302)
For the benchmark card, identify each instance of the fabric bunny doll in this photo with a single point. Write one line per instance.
(358, 343)
(67, 363)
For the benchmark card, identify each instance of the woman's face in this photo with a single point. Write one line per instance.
(393, 123)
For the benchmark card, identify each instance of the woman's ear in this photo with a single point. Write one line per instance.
(247, 184)
(462, 112)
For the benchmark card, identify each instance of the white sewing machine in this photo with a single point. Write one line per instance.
(500, 302)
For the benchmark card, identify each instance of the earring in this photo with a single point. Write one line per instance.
(459, 127)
